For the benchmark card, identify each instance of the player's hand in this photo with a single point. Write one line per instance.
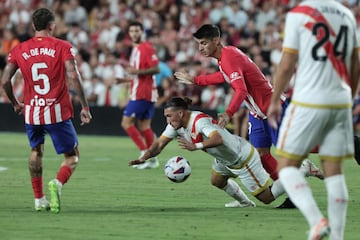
(223, 119)
(85, 116)
(185, 144)
(184, 78)
(274, 114)
(131, 70)
(19, 108)
(136, 162)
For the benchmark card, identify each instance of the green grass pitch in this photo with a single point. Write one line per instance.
(107, 199)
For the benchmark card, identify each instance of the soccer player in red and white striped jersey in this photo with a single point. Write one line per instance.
(143, 92)
(46, 64)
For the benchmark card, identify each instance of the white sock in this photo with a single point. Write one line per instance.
(277, 189)
(338, 197)
(300, 194)
(234, 190)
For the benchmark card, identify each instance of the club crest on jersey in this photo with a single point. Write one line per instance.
(235, 76)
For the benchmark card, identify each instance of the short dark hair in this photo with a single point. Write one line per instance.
(41, 18)
(207, 31)
(178, 102)
(136, 24)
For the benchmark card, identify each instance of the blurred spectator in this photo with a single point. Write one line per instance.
(167, 90)
(122, 49)
(120, 11)
(169, 33)
(218, 11)
(82, 59)
(201, 13)
(20, 14)
(61, 29)
(74, 12)
(249, 36)
(18, 84)
(95, 91)
(212, 97)
(107, 34)
(161, 49)
(8, 42)
(237, 16)
(77, 36)
(266, 14)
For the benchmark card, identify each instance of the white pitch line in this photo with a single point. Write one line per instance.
(3, 168)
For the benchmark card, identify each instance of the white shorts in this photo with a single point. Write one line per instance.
(252, 175)
(304, 128)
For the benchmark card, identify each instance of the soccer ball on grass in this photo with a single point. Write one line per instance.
(177, 169)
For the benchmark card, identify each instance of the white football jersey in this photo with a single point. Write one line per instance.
(233, 151)
(323, 33)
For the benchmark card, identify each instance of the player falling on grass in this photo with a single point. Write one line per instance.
(143, 92)
(46, 64)
(234, 156)
(321, 42)
(250, 86)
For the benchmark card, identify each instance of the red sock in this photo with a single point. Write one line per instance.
(270, 165)
(315, 150)
(37, 186)
(64, 174)
(136, 137)
(149, 136)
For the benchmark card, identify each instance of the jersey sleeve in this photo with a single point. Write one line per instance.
(209, 79)
(291, 36)
(239, 96)
(69, 51)
(12, 56)
(169, 132)
(205, 126)
(151, 57)
(236, 79)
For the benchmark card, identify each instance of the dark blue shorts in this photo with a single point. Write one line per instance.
(140, 109)
(63, 135)
(261, 134)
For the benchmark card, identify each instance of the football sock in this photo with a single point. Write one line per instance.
(148, 136)
(234, 190)
(37, 186)
(277, 189)
(300, 194)
(64, 174)
(136, 137)
(270, 165)
(338, 197)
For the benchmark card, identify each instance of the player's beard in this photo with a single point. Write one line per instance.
(136, 40)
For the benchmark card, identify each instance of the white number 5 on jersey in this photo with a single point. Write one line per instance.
(43, 88)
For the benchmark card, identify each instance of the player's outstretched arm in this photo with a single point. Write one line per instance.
(154, 150)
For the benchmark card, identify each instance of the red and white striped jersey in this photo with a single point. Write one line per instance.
(248, 82)
(143, 87)
(46, 95)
